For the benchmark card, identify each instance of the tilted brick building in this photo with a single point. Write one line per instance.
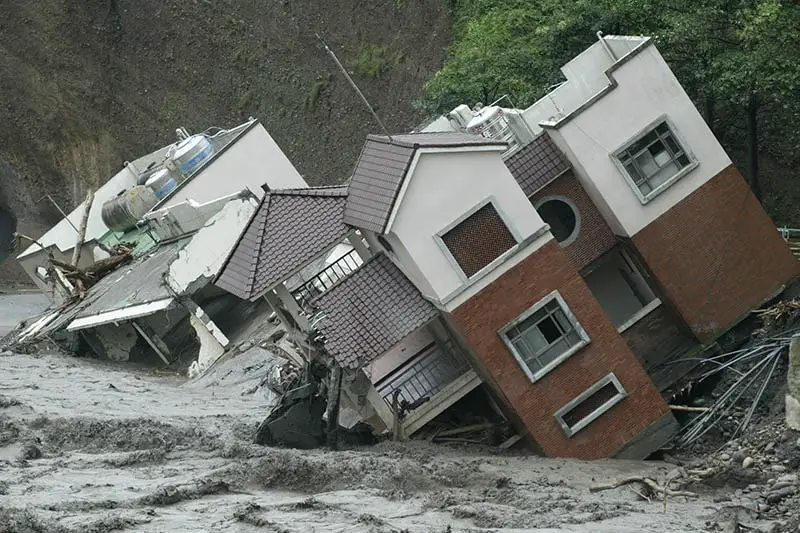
(563, 256)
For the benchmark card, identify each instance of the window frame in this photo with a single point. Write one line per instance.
(575, 232)
(549, 367)
(439, 238)
(616, 156)
(570, 431)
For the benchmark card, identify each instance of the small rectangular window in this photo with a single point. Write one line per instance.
(479, 239)
(590, 405)
(653, 159)
(544, 336)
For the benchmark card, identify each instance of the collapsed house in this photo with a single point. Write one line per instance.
(567, 257)
(154, 237)
(569, 260)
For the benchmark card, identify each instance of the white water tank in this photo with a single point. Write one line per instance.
(460, 117)
(162, 182)
(190, 154)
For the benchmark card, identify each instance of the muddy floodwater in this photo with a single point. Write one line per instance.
(88, 446)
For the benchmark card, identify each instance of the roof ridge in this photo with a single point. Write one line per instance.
(309, 191)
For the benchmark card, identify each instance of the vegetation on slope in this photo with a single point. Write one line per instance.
(736, 58)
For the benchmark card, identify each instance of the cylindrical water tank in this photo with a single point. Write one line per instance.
(162, 182)
(191, 153)
(123, 212)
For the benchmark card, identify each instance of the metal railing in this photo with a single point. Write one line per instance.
(327, 278)
(423, 376)
(792, 238)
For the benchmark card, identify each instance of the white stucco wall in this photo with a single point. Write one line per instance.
(442, 187)
(647, 90)
(202, 258)
(251, 161)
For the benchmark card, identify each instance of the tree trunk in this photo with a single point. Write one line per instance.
(752, 145)
(76, 254)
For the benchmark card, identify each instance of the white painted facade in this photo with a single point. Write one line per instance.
(615, 90)
(646, 93)
(249, 161)
(201, 259)
(252, 160)
(443, 185)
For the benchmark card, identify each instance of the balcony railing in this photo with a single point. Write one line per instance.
(326, 278)
(424, 375)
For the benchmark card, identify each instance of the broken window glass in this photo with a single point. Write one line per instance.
(654, 160)
(544, 337)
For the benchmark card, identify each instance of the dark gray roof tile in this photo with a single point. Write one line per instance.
(370, 311)
(382, 167)
(537, 164)
(289, 229)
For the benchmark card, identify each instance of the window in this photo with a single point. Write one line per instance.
(654, 160)
(478, 240)
(621, 289)
(562, 216)
(544, 336)
(590, 405)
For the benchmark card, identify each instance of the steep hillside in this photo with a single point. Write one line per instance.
(86, 85)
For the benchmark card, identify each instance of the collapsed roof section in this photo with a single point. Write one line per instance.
(290, 228)
(370, 311)
(382, 168)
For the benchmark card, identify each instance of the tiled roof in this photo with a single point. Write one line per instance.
(537, 164)
(370, 311)
(382, 167)
(289, 229)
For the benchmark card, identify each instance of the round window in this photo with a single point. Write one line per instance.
(562, 217)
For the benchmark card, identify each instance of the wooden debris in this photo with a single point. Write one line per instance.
(650, 484)
(76, 254)
(779, 314)
(510, 442)
(465, 429)
(689, 408)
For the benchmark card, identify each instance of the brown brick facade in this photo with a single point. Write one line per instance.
(594, 237)
(657, 339)
(481, 317)
(716, 254)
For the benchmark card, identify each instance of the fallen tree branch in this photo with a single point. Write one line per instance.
(651, 484)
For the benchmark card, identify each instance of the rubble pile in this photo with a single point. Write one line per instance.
(756, 473)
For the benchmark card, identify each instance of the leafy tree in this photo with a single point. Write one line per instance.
(736, 58)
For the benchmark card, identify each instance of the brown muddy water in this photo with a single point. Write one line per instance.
(94, 447)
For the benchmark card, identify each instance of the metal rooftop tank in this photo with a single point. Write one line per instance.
(190, 154)
(123, 212)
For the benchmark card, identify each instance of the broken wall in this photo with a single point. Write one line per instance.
(202, 258)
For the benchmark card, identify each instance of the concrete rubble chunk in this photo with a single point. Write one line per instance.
(793, 385)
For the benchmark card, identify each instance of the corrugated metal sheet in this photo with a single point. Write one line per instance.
(288, 230)
(370, 311)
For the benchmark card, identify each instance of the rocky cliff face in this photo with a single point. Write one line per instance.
(87, 85)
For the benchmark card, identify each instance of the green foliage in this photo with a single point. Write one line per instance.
(372, 60)
(319, 88)
(736, 58)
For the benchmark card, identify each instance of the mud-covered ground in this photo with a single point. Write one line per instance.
(91, 447)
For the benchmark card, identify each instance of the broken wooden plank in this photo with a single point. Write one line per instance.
(511, 441)
(689, 408)
(465, 429)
